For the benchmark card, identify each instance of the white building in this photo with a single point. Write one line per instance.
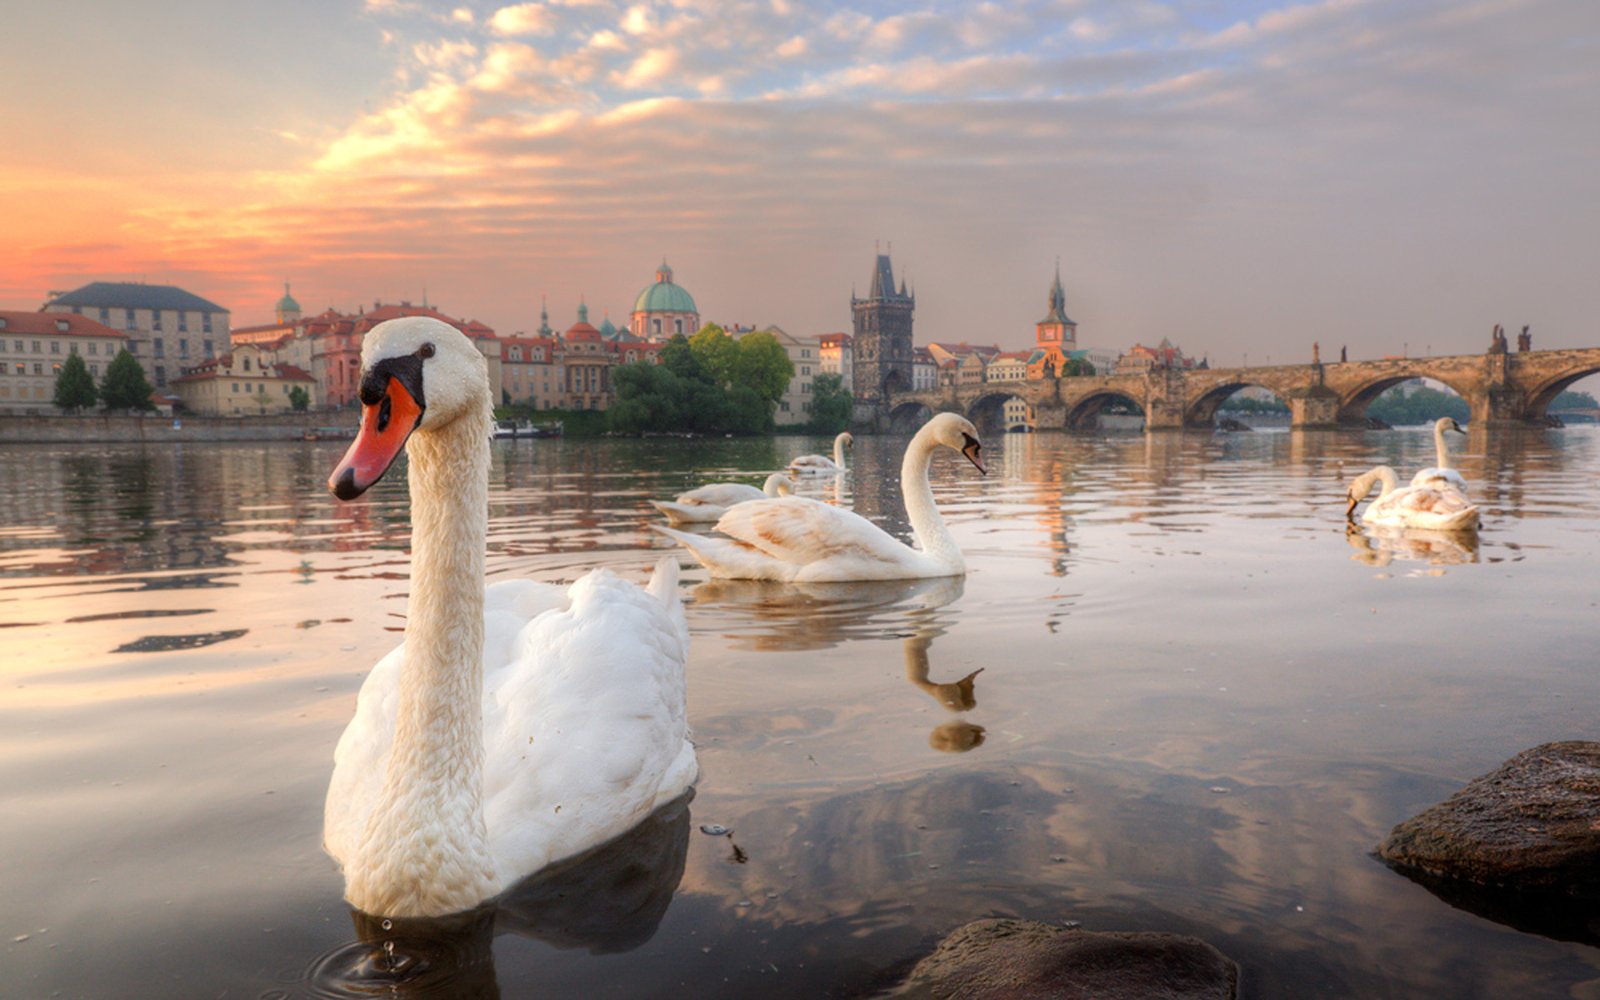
(33, 346)
(168, 329)
(805, 353)
(924, 370)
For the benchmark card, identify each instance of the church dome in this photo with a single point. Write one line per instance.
(664, 296)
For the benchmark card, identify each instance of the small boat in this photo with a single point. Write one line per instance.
(526, 429)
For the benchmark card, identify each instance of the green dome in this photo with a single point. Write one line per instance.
(287, 303)
(664, 296)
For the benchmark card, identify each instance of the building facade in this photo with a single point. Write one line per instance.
(34, 345)
(245, 382)
(794, 406)
(834, 357)
(882, 349)
(924, 369)
(663, 310)
(168, 329)
(328, 344)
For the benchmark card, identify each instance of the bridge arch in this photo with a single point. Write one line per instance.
(1542, 395)
(1084, 412)
(1202, 412)
(1353, 403)
(987, 412)
(907, 417)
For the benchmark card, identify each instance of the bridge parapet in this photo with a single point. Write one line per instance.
(1501, 390)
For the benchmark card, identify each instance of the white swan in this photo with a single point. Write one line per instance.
(1442, 475)
(1412, 507)
(512, 728)
(804, 540)
(822, 465)
(707, 503)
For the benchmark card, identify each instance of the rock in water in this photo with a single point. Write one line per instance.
(1532, 825)
(1023, 959)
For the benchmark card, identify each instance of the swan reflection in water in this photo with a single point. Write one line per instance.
(607, 900)
(1379, 546)
(805, 616)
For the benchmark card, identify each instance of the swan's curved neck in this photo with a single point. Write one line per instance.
(426, 846)
(1441, 458)
(1382, 476)
(926, 523)
(838, 451)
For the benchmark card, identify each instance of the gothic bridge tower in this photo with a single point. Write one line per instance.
(882, 345)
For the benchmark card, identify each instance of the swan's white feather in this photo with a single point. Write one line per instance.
(1438, 478)
(1422, 507)
(815, 465)
(585, 729)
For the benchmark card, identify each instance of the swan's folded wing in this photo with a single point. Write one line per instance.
(720, 494)
(800, 530)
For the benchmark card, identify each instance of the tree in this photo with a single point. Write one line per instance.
(299, 399)
(716, 352)
(830, 404)
(763, 365)
(74, 385)
(1075, 367)
(124, 386)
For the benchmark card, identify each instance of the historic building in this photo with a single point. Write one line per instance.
(835, 356)
(328, 344)
(243, 382)
(1141, 360)
(664, 310)
(924, 369)
(881, 344)
(167, 328)
(531, 372)
(794, 406)
(1055, 336)
(33, 346)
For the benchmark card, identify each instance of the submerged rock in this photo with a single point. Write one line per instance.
(1001, 959)
(1531, 825)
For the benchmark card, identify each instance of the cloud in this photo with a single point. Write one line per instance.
(522, 19)
(649, 70)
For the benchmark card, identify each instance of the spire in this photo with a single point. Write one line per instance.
(1058, 301)
(583, 310)
(544, 317)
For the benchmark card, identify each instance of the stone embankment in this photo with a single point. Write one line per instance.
(109, 428)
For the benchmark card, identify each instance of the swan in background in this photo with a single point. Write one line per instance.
(1442, 475)
(1412, 507)
(803, 540)
(821, 465)
(707, 503)
(513, 727)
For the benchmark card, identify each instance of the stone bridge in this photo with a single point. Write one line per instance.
(1502, 389)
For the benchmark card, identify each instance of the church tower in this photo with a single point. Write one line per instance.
(882, 344)
(1056, 330)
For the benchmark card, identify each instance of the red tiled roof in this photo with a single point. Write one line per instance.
(830, 339)
(42, 323)
(581, 331)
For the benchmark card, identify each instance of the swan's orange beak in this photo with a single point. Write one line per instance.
(385, 425)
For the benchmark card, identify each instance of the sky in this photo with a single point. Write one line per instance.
(1243, 178)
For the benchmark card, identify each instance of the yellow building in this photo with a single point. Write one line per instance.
(243, 382)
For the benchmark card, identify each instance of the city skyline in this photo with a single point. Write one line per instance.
(1242, 178)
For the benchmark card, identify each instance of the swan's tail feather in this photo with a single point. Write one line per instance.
(664, 581)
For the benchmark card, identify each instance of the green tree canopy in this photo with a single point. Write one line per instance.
(74, 385)
(763, 365)
(1419, 406)
(830, 404)
(299, 399)
(124, 387)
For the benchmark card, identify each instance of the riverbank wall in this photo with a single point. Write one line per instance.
(116, 428)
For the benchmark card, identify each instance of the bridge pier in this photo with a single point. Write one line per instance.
(1314, 408)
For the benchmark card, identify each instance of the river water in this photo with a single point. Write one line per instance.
(1200, 706)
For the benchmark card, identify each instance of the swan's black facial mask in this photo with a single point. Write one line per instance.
(971, 449)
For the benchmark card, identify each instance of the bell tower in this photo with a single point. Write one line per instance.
(882, 344)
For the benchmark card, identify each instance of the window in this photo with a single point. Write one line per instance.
(94, 369)
(805, 369)
(161, 347)
(62, 326)
(22, 369)
(247, 363)
(210, 350)
(105, 315)
(94, 348)
(127, 320)
(38, 369)
(183, 347)
(16, 345)
(36, 348)
(235, 387)
(183, 321)
(56, 368)
(133, 347)
(55, 347)
(205, 322)
(161, 375)
(155, 319)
